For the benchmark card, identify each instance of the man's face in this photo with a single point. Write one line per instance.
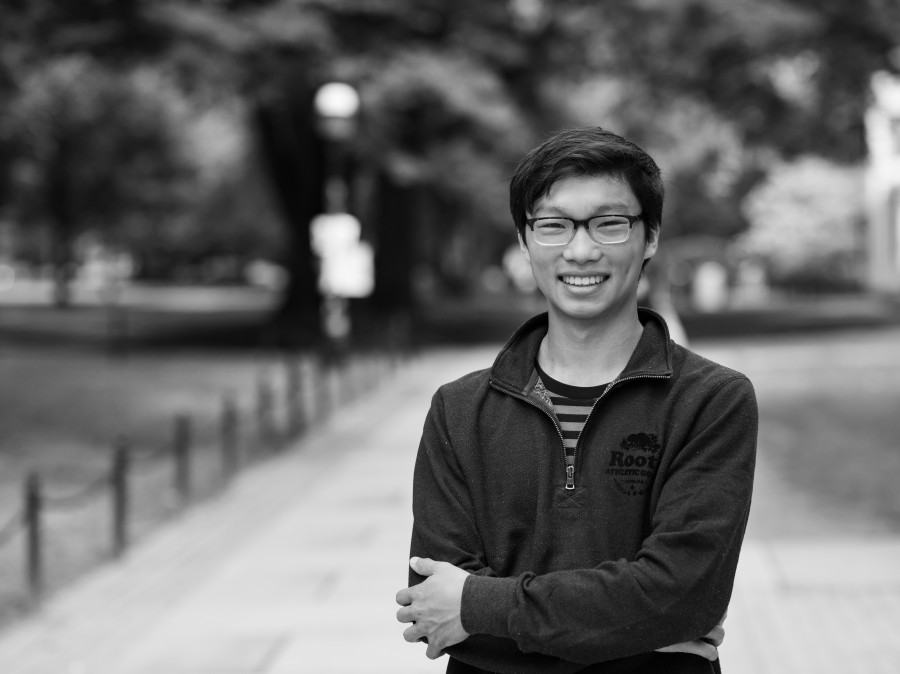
(585, 280)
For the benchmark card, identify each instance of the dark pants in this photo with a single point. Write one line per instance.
(659, 663)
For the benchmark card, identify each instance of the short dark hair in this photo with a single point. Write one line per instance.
(586, 151)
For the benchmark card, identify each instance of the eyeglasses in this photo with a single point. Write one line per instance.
(602, 229)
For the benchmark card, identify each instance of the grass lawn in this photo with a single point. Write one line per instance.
(62, 410)
(72, 381)
(845, 448)
(829, 415)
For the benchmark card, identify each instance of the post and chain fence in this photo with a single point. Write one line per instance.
(313, 389)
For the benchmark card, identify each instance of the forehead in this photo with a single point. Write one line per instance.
(586, 194)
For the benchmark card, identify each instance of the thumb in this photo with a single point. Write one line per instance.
(423, 566)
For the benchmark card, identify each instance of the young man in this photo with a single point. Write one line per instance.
(580, 506)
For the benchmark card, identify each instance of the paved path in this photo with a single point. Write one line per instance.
(294, 569)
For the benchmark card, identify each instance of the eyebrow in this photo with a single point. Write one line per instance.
(605, 209)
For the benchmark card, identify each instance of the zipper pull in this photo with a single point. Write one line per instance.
(570, 477)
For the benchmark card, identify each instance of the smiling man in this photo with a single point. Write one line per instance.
(580, 505)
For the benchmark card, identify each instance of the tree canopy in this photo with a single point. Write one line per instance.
(452, 94)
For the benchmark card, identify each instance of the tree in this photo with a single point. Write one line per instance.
(717, 88)
(437, 130)
(97, 149)
(805, 224)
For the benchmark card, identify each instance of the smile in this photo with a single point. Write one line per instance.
(584, 280)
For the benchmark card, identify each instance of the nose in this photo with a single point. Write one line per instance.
(582, 248)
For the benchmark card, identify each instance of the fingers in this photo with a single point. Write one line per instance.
(424, 627)
(413, 633)
(406, 615)
(433, 652)
(423, 566)
(698, 647)
(716, 635)
(707, 650)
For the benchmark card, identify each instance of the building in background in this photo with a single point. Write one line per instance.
(883, 183)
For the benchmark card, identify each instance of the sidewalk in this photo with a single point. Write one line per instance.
(295, 567)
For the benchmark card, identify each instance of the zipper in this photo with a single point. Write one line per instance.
(570, 470)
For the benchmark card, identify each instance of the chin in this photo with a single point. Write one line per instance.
(595, 312)
(582, 314)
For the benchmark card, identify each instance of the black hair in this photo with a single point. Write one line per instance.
(587, 151)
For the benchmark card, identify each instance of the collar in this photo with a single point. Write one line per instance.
(513, 368)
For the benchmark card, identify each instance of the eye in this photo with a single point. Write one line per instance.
(609, 221)
(551, 224)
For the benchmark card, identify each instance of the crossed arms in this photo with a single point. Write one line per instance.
(434, 606)
(672, 595)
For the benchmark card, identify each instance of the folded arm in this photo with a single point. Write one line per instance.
(673, 592)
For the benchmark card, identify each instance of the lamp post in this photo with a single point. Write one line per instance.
(345, 260)
(336, 105)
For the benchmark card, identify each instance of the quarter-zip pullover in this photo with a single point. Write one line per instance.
(638, 553)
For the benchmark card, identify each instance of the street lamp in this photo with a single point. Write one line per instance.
(345, 260)
(336, 105)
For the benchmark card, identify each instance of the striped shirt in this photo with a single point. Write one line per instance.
(571, 404)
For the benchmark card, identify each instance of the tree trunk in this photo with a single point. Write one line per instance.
(295, 159)
(397, 213)
(61, 223)
(400, 212)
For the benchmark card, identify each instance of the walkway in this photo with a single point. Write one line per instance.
(295, 567)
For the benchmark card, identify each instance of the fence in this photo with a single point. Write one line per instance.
(244, 436)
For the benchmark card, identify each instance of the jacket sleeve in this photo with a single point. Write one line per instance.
(443, 524)
(444, 530)
(679, 584)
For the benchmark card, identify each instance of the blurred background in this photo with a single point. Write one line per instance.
(162, 150)
(192, 191)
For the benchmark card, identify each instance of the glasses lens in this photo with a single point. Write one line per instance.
(553, 231)
(610, 229)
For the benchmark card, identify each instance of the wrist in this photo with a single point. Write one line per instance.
(486, 605)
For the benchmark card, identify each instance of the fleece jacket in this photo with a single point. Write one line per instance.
(634, 550)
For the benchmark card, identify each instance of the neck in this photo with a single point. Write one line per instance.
(589, 353)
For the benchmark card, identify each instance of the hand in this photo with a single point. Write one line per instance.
(433, 606)
(706, 646)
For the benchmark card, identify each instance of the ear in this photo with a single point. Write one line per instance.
(524, 247)
(651, 243)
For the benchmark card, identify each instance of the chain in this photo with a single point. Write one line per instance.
(148, 460)
(77, 499)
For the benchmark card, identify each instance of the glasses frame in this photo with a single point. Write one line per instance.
(584, 223)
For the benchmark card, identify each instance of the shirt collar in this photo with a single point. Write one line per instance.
(514, 365)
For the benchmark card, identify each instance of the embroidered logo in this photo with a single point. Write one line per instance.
(634, 466)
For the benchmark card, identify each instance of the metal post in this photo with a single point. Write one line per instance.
(264, 411)
(293, 397)
(230, 448)
(327, 398)
(344, 382)
(312, 404)
(120, 502)
(34, 550)
(353, 376)
(181, 450)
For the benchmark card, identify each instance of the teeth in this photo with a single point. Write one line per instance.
(582, 280)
